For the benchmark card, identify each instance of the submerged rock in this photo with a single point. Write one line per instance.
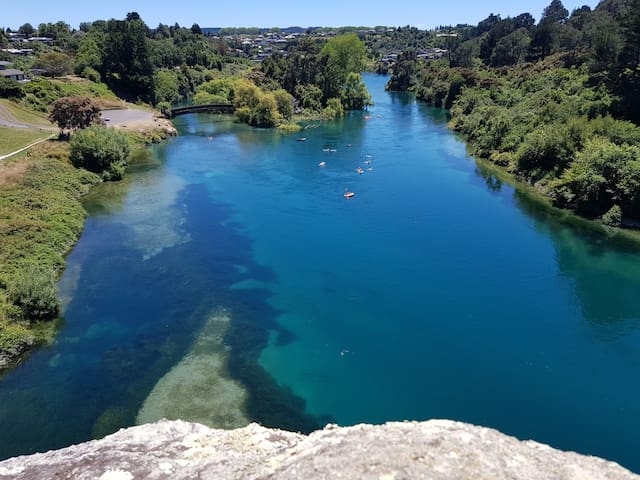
(437, 449)
(198, 388)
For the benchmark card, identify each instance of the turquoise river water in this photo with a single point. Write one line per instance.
(227, 279)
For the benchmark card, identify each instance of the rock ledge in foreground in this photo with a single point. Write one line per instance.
(437, 450)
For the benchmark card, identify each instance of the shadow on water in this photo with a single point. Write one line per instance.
(586, 254)
(132, 320)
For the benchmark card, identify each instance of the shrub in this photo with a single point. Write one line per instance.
(101, 150)
(165, 108)
(10, 88)
(35, 294)
(613, 217)
(333, 110)
(91, 74)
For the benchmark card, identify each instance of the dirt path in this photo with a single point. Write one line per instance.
(2, 157)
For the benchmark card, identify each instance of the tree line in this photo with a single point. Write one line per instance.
(556, 103)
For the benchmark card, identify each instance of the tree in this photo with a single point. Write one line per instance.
(195, 29)
(602, 175)
(555, 13)
(346, 53)
(285, 103)
(72, 113)
(165, 87)
(54, 64)
(88, 55)
(10, 88)
(511, 49)
(126, 65)
(27, 29)
(101, 150)
(310, 97)
(354, 94)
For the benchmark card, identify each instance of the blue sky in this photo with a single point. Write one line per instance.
(281, 13)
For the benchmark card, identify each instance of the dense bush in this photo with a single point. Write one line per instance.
(333, 110)
(101, 150)
(34, 293)
(10, 88)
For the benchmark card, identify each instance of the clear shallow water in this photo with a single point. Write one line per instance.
(437, 292)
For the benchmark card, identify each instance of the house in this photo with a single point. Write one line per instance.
(5, 65)
(13, 74)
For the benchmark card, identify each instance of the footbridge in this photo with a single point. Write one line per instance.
(209, 108)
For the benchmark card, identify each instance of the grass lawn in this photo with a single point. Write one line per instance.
(12, 139)
(25, 115)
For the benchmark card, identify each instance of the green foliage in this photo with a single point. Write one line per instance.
(310, 97)
(284, 101)
(166, 87)
(42, 218)
(548, 124)
(511, 49)
(55, 64)
(71, 113)
(333, 110)
(254, 106)
(101, 150)
(613, 217)
(10, 88)
(88, 55)
(165, 108)
(34, 293)
(219, 90)
(346, 53)
(40, 94)
(354, 94)
(603, 175)
(544, 149)
(313, 75)
(126, 64)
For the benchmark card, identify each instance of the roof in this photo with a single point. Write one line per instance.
(5, 64)
(9, 72)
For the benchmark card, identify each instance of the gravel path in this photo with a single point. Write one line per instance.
(127, 115)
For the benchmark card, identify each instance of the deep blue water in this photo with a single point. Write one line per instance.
(438, 291)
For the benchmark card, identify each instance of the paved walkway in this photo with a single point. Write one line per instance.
(122, 117)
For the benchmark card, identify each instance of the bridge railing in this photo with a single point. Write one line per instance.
(211, 107)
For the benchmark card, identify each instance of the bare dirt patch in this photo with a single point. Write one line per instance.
(10, 173)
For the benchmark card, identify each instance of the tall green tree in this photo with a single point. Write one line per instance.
(27, 29)
(346, 55)
(89, 55)
(354, 93)
(55, 64)
(126, 63)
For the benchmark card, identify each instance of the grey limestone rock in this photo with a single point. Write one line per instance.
(435, 450)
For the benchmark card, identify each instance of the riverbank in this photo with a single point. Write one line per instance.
(42, 219)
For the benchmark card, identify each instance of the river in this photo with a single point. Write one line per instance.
(227, 279)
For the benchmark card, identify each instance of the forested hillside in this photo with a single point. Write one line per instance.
(557, 102)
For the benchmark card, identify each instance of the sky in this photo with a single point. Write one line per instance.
(272, 13)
